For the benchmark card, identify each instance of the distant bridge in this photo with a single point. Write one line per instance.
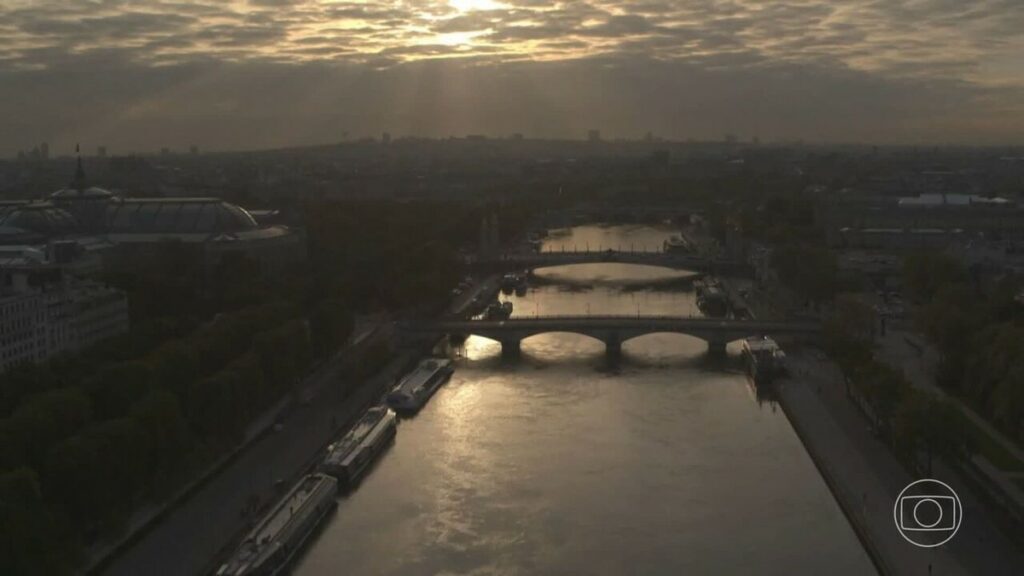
(679, 261)
(607, 212)
(614, 330)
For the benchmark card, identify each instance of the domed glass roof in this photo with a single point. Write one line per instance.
(177, 216)
(42, 218)
(91, 193)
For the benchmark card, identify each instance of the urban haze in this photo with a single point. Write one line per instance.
(511, 287)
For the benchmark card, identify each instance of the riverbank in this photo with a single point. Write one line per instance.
(865, 479)
(209, 517)
(146, 518)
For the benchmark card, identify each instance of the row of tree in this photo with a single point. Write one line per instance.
(977, 325)
(85, 439)
(136, 429)
(917, 425)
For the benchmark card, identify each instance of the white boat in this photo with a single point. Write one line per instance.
(677, 244)
(413, 391)
(765, 359)
(348, 458)
(272, 545)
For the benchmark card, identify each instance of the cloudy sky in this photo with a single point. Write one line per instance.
(140, 75)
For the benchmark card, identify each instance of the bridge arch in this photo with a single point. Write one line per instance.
(614, 330)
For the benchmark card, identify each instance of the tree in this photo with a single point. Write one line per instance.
(116, 387)
(925, 424)
(330, 324)
(32, 541)
(925, 273)
(1008, 401)
(810, 271)
(45, 419)
(159, 415)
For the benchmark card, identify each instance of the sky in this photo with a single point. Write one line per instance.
(140, 75)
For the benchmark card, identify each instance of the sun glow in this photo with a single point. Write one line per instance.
(469, 5)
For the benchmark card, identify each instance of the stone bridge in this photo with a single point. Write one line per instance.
(614, 330)
(531, 260)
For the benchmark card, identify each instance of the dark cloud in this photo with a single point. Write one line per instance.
(192, 70)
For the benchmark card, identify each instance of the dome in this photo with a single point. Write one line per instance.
(91, 193)
(177, 216)
(43, 219)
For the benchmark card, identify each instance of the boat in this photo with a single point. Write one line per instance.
(508, 283)
(413, 391)
(521, 285)
(764, 359)
(677, 244)
(279, 535)
(711, 298)
(348, 458)
(498, 311)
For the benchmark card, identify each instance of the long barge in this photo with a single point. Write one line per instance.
(277, 538)
(416, 388)
(764, 359)
(348, 458)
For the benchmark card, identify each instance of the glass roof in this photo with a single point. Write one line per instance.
(176, 216)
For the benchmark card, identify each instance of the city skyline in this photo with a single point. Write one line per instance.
(263, 74)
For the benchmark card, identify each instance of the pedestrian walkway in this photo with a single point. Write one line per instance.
(918, 361)
(866, 479)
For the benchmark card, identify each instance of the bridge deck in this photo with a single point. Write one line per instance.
(625, 321)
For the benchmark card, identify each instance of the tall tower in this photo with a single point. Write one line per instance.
(485, 237)
(79, 182)
(495, 240)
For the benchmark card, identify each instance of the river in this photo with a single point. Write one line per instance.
(558, 463)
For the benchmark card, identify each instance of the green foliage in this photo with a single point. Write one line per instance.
(330, 325)
(32, 540)
(929, 426)
(925, 273)
(209, 350)
(42, 421)
(979, 334)
(809, 270)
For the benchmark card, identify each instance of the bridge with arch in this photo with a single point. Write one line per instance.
(680, 261)
(613, 330)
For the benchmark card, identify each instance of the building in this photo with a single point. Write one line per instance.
(125, 231)
(890, 219)
(46, 311)
(594, 136)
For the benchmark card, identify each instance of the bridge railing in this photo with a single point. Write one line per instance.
(666, 317)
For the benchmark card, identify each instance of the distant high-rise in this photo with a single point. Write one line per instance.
(165, 151)
(101, 151)
(193, 150)
(517, 136)
(44, 151)
(386, 138)
(730, 138)
(495, 238)
(594, 136)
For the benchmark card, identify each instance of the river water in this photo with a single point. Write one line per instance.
(558, 463)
